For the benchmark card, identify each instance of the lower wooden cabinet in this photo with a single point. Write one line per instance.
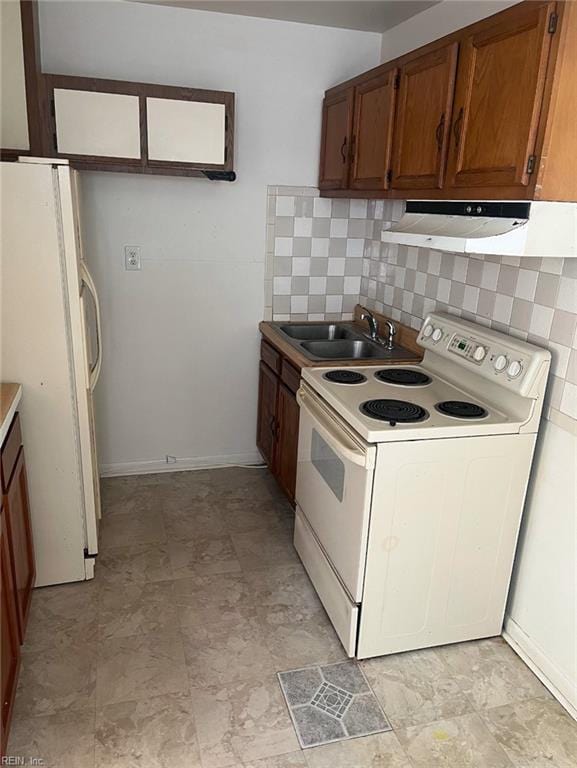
(278, 417)
(10, 635)
(17, 569)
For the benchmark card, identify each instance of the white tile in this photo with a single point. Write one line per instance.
(339, 227)
(379, 209)
(317, 286)
(285, 206)
(503, 308)
(282, 317)
(283, 246)
(358, 209)
(470, 298)
(541, 319)
(569, 400)
(399, 276)
(336, 267)
(299, 304)
(553, 266)
(315, 316)
(526, 284)
(443, 290)
(352, 285)
(434, 262)
(301, 266)
(334, 304)
(490, 275)
(320, 247)
(389, 294)
(303, 227)
(322, 208)
(567, 296)
(560, 359)
(282, 286)
(420, 281)
(355, 247)
(460, 265)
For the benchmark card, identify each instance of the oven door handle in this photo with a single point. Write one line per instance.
(337, 438)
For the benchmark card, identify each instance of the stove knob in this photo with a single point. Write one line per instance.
(437, 334)
(479, 354)
(427, 331)
(500, 363)
(514, 369)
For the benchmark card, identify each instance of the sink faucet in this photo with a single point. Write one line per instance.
(374, 329)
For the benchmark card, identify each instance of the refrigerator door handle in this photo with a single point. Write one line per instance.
(88, 282)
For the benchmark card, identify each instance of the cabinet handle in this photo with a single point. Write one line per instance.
(344, 150)
(458, 124)
(439, 132)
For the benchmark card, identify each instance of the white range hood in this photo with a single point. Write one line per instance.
(543, 229)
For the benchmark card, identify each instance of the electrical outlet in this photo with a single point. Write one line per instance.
(132, 257)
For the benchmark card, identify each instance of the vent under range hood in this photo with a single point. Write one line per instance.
(542, 229)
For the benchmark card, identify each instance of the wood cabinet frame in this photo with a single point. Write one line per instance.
(142, 91)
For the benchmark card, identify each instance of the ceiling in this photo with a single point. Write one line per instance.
(376, 16)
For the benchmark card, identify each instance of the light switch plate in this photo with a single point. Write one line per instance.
(132, 257)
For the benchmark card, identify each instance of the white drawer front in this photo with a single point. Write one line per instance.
(343, 613)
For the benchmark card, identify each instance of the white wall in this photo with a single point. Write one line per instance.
(181, 339)
(437, 21)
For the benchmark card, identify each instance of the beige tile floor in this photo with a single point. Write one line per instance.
(169, 657)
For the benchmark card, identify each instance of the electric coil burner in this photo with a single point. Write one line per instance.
(345, 377)
(461, 410)
(404, 377)
(394, 411)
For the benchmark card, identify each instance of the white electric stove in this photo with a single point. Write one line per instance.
(411, 482)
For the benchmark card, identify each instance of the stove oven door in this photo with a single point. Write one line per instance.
(334, 488)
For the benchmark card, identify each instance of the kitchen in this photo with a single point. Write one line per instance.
(184, 550)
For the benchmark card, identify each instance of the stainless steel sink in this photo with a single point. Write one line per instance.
(346, 348)
(318, 331)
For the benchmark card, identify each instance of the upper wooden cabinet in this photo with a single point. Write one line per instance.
(488, 112)
(373, 131)
(502, 70)
(422, 120)
(336, 140)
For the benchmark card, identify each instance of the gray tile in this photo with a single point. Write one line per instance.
(547, 289)
(203, 556)
(456, 295)
(156, 732)
(337, 248)
(321, 227)
(382, 750)
(447, 261)
(302, 246)
(486, 303)
(133, 564)
(282, 266)
(563, 327)
(319, 267)
(292, 760)
(62, 740)
(136, 609)
(475, 273)
(304, 206)
(463, 742)
(538, 732)
(316, 304)
(331, 703)
(335, 285)
(521, 314)
(299, 286)
(284, 226)
(357, 228)
(340, 209)
(128, 529)
(281, 305)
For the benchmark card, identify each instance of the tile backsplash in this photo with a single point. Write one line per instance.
(324, 256)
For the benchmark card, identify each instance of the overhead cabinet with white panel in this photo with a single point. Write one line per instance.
(136, 127)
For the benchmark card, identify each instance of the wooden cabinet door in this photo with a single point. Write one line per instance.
(288, 438)
(423, 117)
(267, 409)
(498, 99)
(17, 513)
(9, 640)
(336, 140)
(373, 131)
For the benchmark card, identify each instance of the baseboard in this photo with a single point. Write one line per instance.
(179, 465)
(552, 678)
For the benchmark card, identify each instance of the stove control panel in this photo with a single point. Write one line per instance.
(506, 360)
(467, 347)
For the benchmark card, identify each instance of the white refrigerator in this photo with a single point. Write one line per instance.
(52, 344)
